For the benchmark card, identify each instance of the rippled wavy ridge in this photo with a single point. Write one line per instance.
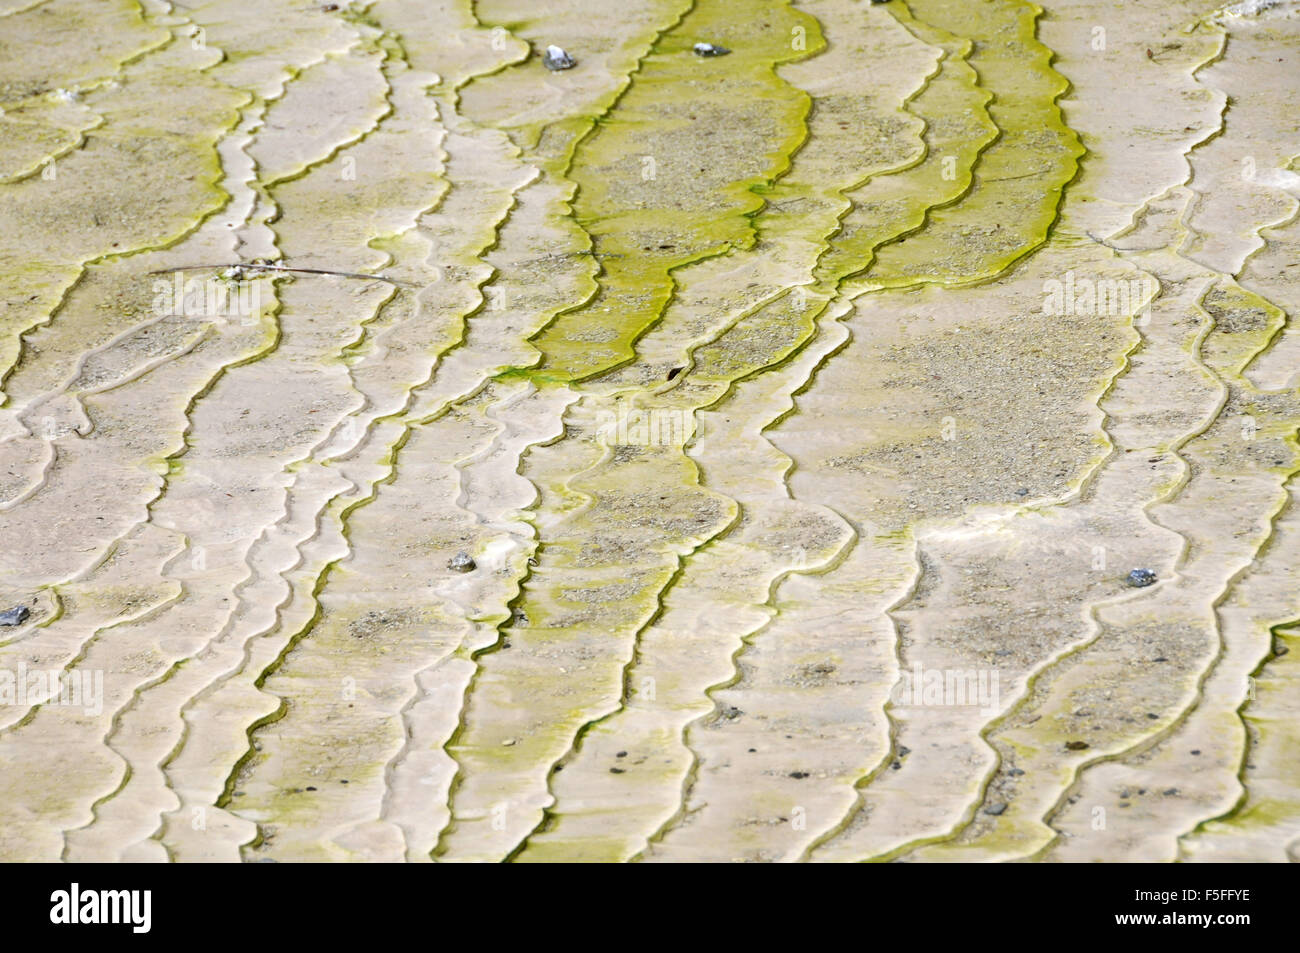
(871, 435)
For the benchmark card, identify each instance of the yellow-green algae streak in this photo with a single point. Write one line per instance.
(1020, 177)
(651, 192)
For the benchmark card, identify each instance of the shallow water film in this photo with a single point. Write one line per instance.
(664, 430)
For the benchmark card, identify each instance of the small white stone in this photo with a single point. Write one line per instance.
(555, 58)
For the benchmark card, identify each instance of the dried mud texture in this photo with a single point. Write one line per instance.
(670, 458)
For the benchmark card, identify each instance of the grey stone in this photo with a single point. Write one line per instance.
(15, 616)
(555, 58)
(1141, 578)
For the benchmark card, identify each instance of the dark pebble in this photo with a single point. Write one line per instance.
(15, 616)
(461, 562)
(995, 809)
(798, 775)
(1141, 578)
(710, 49)
(1077, 745)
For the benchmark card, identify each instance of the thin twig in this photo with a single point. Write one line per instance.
(256, 267)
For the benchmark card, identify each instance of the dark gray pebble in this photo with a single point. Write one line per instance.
(15, 616)
(1141, 578)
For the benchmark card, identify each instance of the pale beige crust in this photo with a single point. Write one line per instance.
(763, 390)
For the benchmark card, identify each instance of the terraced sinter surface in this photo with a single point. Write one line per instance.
(668, 458)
